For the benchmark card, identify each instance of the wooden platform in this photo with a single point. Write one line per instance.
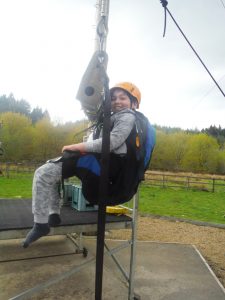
(16, 219)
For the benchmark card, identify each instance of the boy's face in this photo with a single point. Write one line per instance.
(120, 101)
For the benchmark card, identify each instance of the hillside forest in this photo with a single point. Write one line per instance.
(30, 135)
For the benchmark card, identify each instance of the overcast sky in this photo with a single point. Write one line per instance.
(47, 44)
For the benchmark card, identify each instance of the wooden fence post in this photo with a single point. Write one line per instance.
(7, 169)
(187, 183)
(213, 185)
(163, 181)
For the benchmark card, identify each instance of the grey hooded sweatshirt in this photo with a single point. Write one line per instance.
(122, 123)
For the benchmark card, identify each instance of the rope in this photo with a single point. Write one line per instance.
(164, 4)
(86, 129)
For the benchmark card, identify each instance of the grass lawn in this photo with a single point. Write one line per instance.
(185, 204)
(18, 187)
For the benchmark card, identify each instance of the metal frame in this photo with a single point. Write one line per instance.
(129, 277)
(63, 230)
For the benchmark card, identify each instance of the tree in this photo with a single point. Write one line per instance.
(75, 132)
(22, 107)
(11, 104)
(37, 114)
(44, 140)
(159, 161)
(16, 136)
(217, 133)
(221, 162)
(201, 154)
(176, 149)
(169, 151)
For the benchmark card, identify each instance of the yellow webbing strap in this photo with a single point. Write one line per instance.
(116, 210)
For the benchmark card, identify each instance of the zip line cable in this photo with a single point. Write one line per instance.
(205, 95)
(164, 4)
(222, 3)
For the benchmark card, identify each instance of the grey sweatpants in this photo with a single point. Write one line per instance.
(45, 193)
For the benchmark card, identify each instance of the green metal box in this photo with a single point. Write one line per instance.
(79, 202)
(67, 194)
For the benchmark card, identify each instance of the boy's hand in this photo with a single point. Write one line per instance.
(75, 147)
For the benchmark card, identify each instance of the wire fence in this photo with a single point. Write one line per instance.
(14, 170)
(209, 183)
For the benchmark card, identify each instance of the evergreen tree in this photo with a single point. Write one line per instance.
(10, 104)
(217, 133)
(37, 114)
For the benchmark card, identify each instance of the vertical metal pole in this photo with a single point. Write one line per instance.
(103, 191)
(102, 11)
(98, 17)
(133, 246)
(102, 20)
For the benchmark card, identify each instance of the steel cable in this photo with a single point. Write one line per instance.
(164, 4)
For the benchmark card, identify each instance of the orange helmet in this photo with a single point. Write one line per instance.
(130, 88)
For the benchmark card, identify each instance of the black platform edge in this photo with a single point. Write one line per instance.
(16, 214)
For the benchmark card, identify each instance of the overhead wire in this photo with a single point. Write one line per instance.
(206, 94)
(192, 110)
(164, 4)
(222, 3)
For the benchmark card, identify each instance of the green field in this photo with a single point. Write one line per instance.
(16, 187)
(185, 204)
(180, 203)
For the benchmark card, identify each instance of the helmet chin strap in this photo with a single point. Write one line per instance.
(133, 104)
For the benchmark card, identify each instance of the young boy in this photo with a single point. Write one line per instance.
(126, 169)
